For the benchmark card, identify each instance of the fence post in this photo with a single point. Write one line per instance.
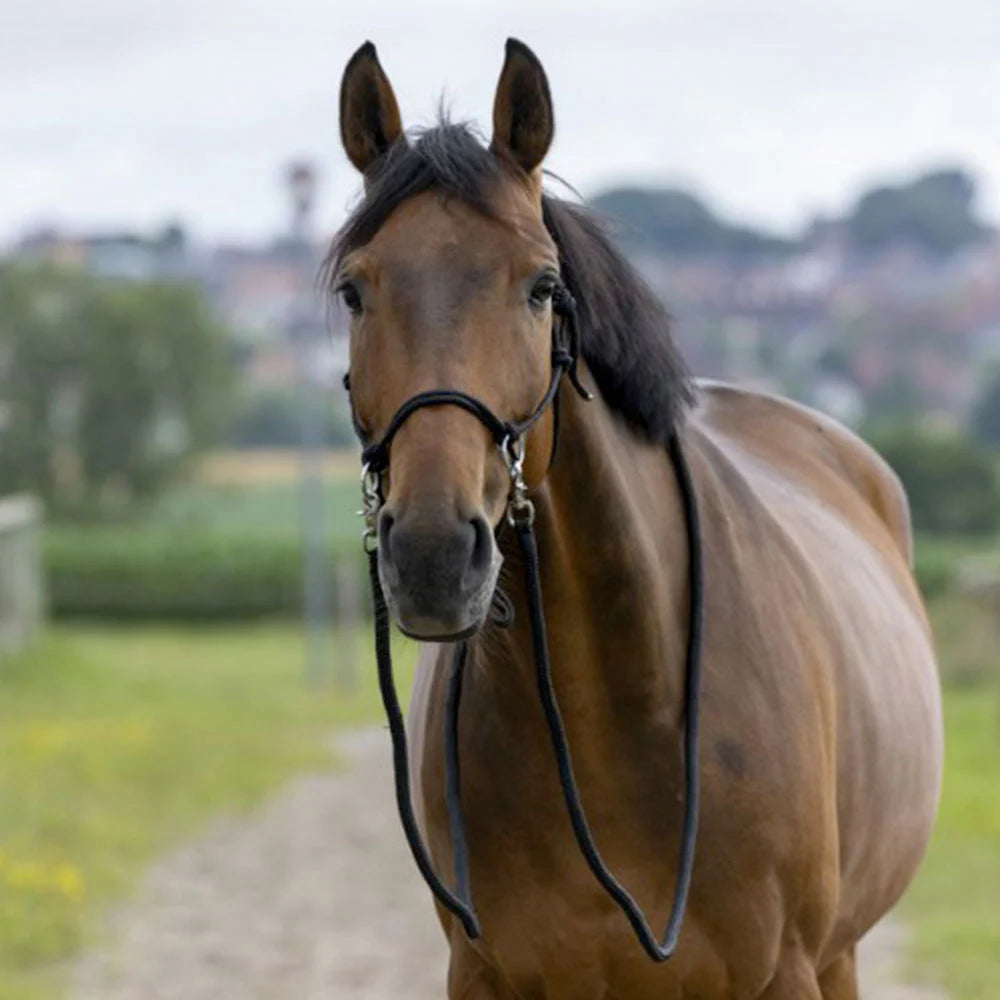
(348, 591)
(21, 587)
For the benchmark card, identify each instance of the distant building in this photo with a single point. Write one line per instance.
(838, 328)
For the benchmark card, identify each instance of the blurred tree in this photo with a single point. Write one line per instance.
(951, 482)
(675, 221)
(985, 417)
(935, 212)
(897, 397)
(106, 389)
(835, 359)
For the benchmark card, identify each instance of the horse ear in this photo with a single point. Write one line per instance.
(523, 122)
(369, 115)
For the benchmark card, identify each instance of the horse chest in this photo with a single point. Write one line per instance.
(548, 929)
(589, 953)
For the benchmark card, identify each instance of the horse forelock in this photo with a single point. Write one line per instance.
(624, 328)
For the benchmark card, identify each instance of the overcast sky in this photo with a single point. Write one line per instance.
(130, 112)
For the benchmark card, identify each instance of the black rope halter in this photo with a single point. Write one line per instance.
(509, 436)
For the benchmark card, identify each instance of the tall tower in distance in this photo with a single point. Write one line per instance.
(300, 177)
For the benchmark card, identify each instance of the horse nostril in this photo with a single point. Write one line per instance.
(482, 546)
(385, 523)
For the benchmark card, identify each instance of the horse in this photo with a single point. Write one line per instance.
(820, 721)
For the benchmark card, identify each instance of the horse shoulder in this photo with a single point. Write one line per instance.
(792, 432)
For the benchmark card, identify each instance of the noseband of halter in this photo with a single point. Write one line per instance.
(509, 437)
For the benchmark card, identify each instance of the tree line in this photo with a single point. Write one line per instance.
(935, 211)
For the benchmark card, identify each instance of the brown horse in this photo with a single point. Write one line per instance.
(820, 715)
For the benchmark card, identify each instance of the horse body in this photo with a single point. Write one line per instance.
(820, 715)
(818, 798)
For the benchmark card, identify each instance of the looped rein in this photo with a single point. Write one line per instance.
(508, 436)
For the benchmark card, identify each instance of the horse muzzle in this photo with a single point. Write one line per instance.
(438, 577)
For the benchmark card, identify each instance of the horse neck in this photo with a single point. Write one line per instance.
(613, 568)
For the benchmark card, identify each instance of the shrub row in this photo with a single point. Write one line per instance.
(152, 572)
(935, 567)
(951, 482)
(182, 574)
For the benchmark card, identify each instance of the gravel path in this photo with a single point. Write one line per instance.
(312, 898)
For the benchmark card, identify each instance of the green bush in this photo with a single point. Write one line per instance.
(951, 481)
(153, 573)
(984, 420)
(935, 569)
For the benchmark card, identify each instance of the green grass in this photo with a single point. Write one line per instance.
(270, 507)
(116, 744)
(967, 636)
(953, 906)
(263, 506)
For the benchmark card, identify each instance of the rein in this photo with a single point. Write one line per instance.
(520, 514)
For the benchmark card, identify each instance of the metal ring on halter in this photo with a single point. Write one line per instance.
(520, 510)
(512, 449)
(371, 504)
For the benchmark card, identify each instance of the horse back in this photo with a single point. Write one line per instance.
(814, 450)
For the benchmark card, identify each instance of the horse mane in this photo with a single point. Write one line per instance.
(624, 328)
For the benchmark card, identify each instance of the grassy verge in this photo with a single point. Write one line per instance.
(115, 744)
(952, 906)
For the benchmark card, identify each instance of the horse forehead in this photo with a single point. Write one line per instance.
(439, 266)
(438, 259)
(438, 231)
(427, 233)
(426, 298)
(456, 282)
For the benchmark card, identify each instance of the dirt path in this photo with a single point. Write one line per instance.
(312, 898)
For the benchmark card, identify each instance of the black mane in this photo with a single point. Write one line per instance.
(624, 328)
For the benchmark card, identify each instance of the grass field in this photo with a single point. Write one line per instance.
(115, 744)
(953, 907)
(272, 507)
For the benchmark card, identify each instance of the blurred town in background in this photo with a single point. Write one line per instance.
(888, 311)
(886, 315)
(179, 454)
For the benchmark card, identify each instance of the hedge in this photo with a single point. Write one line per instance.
(935, 568)
(951, 481)
(152, 572)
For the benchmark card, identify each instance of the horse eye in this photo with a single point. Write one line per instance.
(351, 297)
(542, 290)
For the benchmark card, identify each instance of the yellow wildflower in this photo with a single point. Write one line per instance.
(69, 881)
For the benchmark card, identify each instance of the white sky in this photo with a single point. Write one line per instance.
(130, 112)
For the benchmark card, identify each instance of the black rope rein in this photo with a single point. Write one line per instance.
(521, 514)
